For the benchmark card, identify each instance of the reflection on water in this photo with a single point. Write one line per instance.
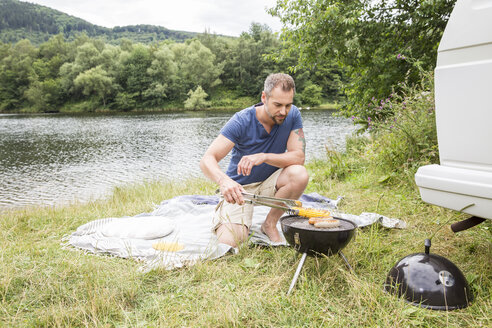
(54, 159)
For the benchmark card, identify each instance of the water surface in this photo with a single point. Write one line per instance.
(52, 159)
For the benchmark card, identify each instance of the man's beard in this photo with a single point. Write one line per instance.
(275, 120)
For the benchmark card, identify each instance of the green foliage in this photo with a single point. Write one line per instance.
(145, 34)
(367, 38)
(340, 166)
(230, 99)
(195, 66)
(44, 96)
(134, 76)
(393, 148)
(196, 99)
(407, 140)
(125, 101)
(43, 21)
(16, 72)
(23, 20)
(162, 71)
(250, 66)
(95, 81)
(311, 95)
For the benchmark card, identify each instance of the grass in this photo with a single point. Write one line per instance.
(328, 105)
(45, 285)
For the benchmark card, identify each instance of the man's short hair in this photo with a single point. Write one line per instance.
(285, 81)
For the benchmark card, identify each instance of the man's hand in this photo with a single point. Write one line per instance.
(246, 163)
(231, 191)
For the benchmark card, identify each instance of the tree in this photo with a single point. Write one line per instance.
(133, 76)
(195, 66)
(196, 99)
(365, 37)
(162, 71)
(44, 96)
(251, 65)
(95, 81)
(311, 95)
(16, 72)
(87, 55)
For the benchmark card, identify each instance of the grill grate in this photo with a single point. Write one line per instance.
(299, 222)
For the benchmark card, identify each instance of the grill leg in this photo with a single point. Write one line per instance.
(345, 260)
(298, 271)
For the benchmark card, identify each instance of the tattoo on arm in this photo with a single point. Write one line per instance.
(300, 133)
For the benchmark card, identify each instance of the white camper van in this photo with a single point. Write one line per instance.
(463, 90)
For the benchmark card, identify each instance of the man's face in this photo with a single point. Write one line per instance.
(278, 104)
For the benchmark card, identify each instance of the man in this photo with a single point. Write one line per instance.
(268, 152)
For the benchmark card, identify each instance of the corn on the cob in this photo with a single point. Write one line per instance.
(167, 246)
(312, 212)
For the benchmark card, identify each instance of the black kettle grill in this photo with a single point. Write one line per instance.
(309, 240)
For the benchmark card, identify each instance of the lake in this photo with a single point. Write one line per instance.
(53, 159)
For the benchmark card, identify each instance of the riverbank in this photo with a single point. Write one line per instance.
(42, 284)
(81, 108)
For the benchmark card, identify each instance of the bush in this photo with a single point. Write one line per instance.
(125, 101)
(311, 95)
(395, 146)
(44, 96)
(408, 139)
(196, 99)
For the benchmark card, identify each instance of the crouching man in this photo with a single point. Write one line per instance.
(268, 152)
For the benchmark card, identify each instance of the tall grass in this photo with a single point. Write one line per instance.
(45, 285)
(400, 137)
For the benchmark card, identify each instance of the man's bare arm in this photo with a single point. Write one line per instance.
(296, 148)
(300, 134)
(209, 164)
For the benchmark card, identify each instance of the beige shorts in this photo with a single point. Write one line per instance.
(243, 214)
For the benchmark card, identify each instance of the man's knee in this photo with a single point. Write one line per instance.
(297, 176)
(232, 234)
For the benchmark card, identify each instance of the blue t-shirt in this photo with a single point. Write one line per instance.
(250, 137)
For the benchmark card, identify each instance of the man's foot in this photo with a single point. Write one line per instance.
(271, 231)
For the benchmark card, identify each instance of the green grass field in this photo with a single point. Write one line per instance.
(45, 285)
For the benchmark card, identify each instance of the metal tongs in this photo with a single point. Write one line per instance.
(290, 206)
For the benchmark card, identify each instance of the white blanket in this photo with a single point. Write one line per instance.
(186, 220)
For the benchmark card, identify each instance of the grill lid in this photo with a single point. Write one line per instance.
(429, 281)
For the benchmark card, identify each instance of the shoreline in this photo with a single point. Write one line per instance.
(326, 106)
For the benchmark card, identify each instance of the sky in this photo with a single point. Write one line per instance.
(227, 17)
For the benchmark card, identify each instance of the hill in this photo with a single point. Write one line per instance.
(23, 20)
